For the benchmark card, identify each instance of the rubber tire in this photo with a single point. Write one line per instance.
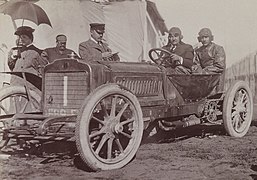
(82, 126)
(16, 90)
(19, 90)
(228, 105)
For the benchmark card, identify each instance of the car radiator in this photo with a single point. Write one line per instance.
(65, 92)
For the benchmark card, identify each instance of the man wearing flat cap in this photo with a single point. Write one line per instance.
(58, 52)
(95, 49)
(182, 53)
(210, 56)
(25, 57)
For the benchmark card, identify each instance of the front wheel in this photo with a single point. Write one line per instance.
(109, 128)
(238, 109)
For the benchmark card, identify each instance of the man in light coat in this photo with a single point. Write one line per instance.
(95, 49)
(26, 57)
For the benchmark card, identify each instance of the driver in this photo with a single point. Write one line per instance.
(182, 53)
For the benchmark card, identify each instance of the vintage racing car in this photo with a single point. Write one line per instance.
(104, 107)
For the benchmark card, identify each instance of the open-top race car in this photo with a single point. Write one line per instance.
(104, 107)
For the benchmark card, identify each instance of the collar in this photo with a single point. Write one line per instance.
(31, 44)
(209, 45)
(93, 40)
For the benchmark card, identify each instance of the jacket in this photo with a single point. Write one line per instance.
(184, 50)
(211, 58)
(91, 51)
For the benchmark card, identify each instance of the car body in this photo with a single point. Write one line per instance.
(104, 107)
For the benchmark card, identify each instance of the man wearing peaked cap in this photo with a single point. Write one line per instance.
(25, 57)
(182, 53)
(100, 28)
(210, 56)
(95, 48)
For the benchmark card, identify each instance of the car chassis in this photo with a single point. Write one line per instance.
(104, 107)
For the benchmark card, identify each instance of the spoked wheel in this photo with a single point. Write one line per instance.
(160, 56)
(13, 100)
(109, 128)
(238, 109)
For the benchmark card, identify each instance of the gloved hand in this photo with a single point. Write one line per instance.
(197, 69)
(176, 59)
(44, 55)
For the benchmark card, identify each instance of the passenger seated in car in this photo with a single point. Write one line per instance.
(210, 57)
(58, 52)
(182, 53)
(95, 49)
(25, 57)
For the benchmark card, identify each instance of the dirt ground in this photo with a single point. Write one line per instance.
(204, 152)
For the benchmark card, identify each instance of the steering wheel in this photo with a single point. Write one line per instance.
(161, 57)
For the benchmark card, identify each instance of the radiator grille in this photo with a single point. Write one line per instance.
(141, 86)
(65, 92)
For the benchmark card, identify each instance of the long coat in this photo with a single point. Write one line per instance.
(91, 51)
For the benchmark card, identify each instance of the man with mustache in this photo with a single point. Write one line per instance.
(95, 49)
(58, 52)
(182, 56)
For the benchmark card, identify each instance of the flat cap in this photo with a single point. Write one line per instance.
(98, 27)
(24, 30)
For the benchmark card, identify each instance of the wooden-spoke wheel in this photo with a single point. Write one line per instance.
(238, 109)
(160, 56)
(13, 100)
(109, 128)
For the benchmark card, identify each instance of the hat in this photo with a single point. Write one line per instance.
(99, 28)
(205, 32)
(175, 31)
(61, 38)
(25, 30)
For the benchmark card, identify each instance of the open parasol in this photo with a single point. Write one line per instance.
(26, 10)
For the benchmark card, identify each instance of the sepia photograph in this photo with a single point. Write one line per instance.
(128, 89)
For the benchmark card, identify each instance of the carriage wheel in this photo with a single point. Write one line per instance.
(238, 109)
(109, 128)
(14, 99)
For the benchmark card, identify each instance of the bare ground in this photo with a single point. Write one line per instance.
(204, 152)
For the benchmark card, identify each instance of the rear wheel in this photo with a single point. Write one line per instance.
(13, 100)
(238, 109)
(109, 128)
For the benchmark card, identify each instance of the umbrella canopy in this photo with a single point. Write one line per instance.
(19, 9)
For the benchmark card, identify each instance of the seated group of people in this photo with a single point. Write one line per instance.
(28, 58)
(207, 59)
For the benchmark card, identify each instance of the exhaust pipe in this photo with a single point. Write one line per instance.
(168, 126)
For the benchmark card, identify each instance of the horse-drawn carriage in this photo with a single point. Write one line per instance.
(104, 107)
